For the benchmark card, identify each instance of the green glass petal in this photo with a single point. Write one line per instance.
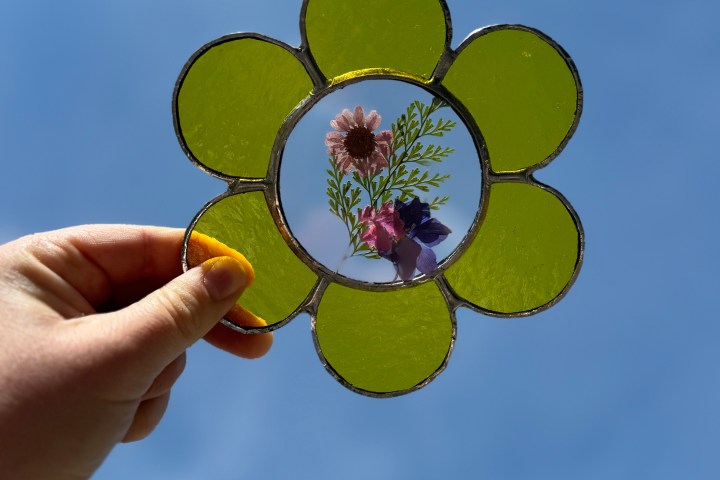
(403, 35)
(234, 99)
(282, 281)
(384, 342)
(525, 253)
(521, 92)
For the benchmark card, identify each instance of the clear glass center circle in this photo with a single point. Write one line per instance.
(380, 181)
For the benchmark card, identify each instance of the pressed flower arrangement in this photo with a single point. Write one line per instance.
(386, 170)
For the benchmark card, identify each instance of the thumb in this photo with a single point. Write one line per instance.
(164, 324)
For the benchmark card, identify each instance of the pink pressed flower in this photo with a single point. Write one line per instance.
(354, 145)
(383, 227)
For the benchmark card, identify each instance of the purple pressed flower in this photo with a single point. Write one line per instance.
(403, 233)
(354, 145)
(406, 253)
(418, 224)
(404, 256)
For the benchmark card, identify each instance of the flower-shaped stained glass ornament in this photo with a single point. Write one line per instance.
(382, 176)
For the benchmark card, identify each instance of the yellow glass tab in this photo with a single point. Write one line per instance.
(525, 254)
(234, 99)
(201, 248)
(384, 342)
(403, 35)
(282, 281)
(521, 93)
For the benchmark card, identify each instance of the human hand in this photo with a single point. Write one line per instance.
(94, 324)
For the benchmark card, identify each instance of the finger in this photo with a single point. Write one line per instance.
(147, 417)
(127, 253)
(240, 344)
(167, 378)
(97, 259)
(160, 327)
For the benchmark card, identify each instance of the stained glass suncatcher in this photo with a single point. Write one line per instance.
(258, 113)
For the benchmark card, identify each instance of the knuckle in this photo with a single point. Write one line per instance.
(180, 309)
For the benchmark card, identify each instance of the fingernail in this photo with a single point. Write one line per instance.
(223, 277)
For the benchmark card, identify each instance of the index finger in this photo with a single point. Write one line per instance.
(97, 260)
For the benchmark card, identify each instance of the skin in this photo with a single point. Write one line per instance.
(94, 324)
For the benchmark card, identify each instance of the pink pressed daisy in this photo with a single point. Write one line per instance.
(354, 145)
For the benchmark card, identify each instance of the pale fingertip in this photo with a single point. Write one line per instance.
(242, 345)
(258, 346)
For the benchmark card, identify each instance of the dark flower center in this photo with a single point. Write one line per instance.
(359, 142)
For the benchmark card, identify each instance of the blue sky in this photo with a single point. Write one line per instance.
(619, 380)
